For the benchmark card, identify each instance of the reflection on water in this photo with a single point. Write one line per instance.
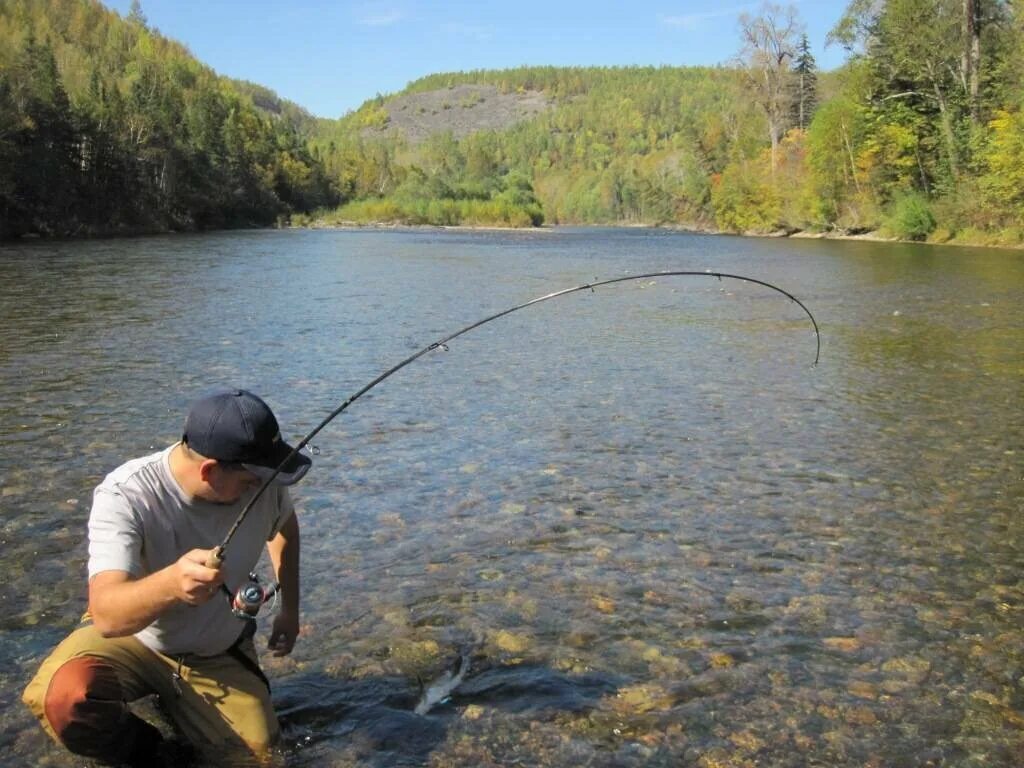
(666, 539)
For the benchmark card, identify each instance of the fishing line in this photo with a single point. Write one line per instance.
(218, 554)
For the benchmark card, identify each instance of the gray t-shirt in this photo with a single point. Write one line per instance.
(142, 521)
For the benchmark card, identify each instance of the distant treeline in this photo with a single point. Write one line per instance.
(104, 125)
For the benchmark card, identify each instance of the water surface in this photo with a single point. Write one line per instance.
(663, 537)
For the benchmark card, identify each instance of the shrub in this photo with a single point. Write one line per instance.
(743, 199)
(910, 217)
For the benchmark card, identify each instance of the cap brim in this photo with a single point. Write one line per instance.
(292, 471)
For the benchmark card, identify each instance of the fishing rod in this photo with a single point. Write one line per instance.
(217, 557)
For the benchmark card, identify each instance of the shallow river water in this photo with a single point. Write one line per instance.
(661, 536)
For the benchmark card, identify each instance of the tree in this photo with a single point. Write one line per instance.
(970, 60)
(44, 156)
(805, 85)
(1004, 156)
(135, 14)
(930, 54)
(921, 60)
(769, 47)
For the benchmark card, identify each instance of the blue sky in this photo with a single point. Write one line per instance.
(329, 57)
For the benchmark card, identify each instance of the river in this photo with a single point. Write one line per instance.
(660, 534)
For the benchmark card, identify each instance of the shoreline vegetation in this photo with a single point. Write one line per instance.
(108, 128)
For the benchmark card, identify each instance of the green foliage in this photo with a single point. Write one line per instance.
(910, 217)
(40, 155)
(744, 198)
(1003, 180)
(497, 212)
(106, 126)
(907, 128)
(372, 115)
(831, 167)
(443, 196)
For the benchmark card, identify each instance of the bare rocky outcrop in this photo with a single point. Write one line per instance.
(461, 109)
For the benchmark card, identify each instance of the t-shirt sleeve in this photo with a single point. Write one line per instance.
(285, 509)
(115, 537)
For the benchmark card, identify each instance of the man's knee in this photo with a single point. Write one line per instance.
(253, 722)
(85, 706)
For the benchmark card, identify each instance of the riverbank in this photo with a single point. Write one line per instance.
(868, 236)
(874, 236)
(390, 226)
(878, 237)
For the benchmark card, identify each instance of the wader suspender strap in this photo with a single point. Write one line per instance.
(236, 653)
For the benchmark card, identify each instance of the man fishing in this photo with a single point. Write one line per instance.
(167, 615)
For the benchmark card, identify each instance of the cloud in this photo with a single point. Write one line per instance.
(695, 20)
(379, 17)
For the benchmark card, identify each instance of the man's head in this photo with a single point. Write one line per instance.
(238, 431)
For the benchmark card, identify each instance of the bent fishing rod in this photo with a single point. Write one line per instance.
(217, 557)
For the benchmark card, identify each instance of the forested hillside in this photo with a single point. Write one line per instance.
(105, 126)
(920, 135)
(636, 144)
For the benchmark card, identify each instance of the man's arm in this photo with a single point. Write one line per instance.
(284, 555)
(122, 605)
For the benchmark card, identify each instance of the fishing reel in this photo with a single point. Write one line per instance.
(251, 596)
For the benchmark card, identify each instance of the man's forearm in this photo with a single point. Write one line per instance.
(284, 556)
(122, 605)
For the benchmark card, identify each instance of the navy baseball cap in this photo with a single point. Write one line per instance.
(236, 426)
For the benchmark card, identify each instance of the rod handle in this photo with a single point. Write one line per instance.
(216, 558)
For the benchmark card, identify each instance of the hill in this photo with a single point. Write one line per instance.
(106, 126)
(594, 145)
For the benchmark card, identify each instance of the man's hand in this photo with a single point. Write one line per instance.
(194, 581)
(283, 634)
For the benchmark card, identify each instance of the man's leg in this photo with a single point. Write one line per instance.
(81, 692)
(224, 704)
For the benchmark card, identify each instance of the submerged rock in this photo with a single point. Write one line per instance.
(415, 658)
(510, 642)
(603, 604)
(638, 699)
(844, 644)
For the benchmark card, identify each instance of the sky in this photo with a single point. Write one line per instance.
(330, 57)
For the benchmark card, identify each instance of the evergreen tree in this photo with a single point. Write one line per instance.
(805, 85)
(44, 161)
